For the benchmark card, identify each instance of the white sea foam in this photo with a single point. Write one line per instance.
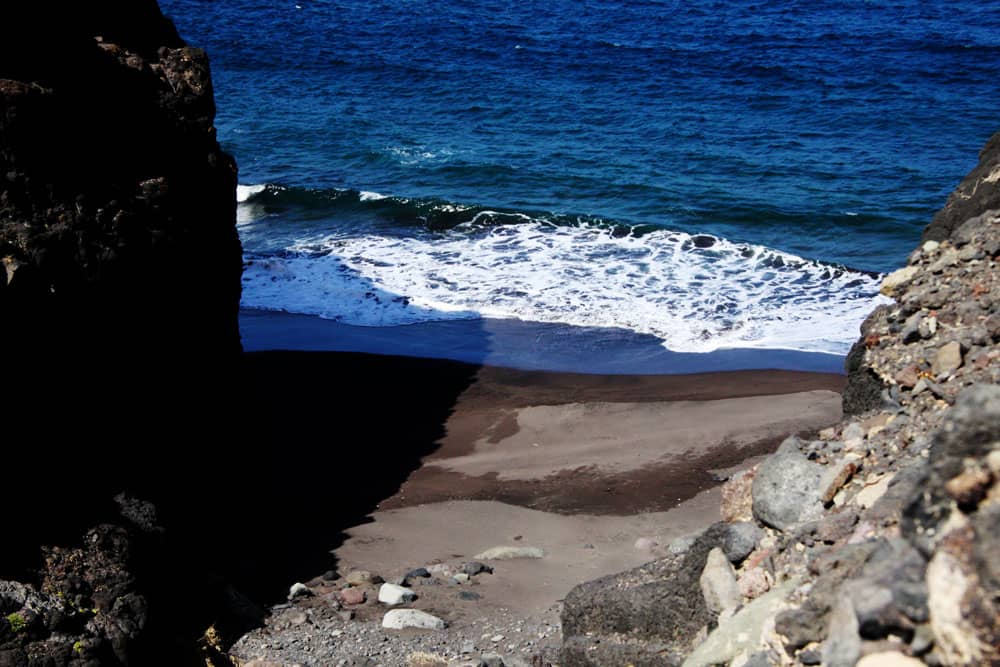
(364, 195)
(244, 192)
(695, 299)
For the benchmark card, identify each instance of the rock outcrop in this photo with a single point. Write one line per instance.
(119, 295)
(120, 285)
(878, 540)
(979, 191)
(117, 205)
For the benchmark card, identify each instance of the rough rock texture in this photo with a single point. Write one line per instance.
(116, 203)
(786, 490)
(979, 191)
(106, 602)
(646, 616)
(119, 294)
(879, 540)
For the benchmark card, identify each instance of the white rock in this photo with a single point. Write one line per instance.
(298, 589)
(391, 594)
(743, 632)
(853, 430)
(506, 553)
(897, 278)
(398, 619)
(874, 489)
(461, 578)
(718, 583)
(954, 636)
(930, 246)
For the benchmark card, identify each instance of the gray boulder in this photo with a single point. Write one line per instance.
(786, 490)
(740, 539)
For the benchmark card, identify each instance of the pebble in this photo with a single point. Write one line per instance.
(359, 577)
(736, 502)
(810, 657)
(472, 568)
(740, 540)
(419, 573)
(969, 487)
(754, 582)
(835, 476)
(897, 278)
(908, 376)
(298, 590)
(353, 596)
(875, 488)
(948, 359)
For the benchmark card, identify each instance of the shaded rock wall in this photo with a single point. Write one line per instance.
(120, 277)
(119, 292)
(117, 206)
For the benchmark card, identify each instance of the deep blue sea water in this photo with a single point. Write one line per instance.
(713, 175)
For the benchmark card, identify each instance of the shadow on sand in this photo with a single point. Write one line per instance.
(256, 466)
(338, 433)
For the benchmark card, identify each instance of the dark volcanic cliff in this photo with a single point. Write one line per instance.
(119, 295)
(117, 206)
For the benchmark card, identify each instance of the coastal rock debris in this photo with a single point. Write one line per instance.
(877, 548)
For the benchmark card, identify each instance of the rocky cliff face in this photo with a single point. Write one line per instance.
(119, 295)
(874, 543)
(117, 206)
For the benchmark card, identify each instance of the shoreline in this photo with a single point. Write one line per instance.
(517, 344)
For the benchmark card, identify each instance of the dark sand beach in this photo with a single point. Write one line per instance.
(415, 460)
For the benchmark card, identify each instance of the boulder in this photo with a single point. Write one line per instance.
(644, 616)
(740, 633)
(786, 490)
(979, 191)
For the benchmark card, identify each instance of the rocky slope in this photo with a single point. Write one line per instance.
(119, 294)
(874, 544)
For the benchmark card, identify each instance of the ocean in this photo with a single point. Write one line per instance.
(596, 185)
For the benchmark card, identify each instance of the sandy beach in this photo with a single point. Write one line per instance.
(447, 460)
(582, 466)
